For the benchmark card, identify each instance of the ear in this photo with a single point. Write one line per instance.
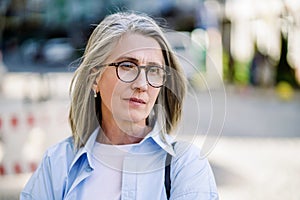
(95, 84)
(95, 87)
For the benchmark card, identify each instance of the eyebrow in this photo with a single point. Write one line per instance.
(135, 60)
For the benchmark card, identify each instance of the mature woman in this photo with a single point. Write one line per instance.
(127, 97)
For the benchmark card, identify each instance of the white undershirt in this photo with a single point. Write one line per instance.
(106, 179)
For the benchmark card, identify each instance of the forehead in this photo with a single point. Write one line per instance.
(142, 48)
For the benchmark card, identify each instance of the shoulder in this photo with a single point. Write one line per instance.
(186, 151)
(191, 172)
(65, 145)
(51, 172)
(188, 158)
(61, 152)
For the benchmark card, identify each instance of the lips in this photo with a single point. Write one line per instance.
(137, 100)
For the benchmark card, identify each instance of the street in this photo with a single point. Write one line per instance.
(256, 155)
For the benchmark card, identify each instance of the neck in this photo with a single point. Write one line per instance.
(122, 133)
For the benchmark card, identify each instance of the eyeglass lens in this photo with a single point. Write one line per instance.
(128, 72)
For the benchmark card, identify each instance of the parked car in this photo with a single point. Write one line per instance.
(31, 51)
(58, 50)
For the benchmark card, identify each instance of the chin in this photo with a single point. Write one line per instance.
(133, 117)
(138, 118)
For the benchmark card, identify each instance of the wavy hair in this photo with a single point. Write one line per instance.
(82, 115)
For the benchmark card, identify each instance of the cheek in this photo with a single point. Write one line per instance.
(111, 94)
(107, 86)
(106, 95)
(153, 95)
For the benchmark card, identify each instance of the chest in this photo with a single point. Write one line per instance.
(126, 177)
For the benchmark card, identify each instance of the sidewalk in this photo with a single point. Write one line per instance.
(257, 168)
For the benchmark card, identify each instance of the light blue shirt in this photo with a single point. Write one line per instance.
(63, 170)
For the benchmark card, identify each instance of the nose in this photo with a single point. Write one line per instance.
(141, 81)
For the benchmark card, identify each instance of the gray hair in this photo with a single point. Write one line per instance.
(82, 115)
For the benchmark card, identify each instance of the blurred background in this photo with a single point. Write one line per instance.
(241, 58)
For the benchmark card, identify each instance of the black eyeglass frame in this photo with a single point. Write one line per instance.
(147, 68)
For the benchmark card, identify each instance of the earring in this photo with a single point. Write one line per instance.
(95, 94)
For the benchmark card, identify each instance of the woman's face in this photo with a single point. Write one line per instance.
(130, 102)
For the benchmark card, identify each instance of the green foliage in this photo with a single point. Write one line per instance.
(242, 72)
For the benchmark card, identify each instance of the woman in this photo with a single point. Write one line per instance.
(126, 98)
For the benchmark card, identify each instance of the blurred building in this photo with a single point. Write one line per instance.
(259, 26)
(247, 27)
(47, 15)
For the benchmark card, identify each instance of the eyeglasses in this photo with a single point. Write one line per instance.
(128, 72)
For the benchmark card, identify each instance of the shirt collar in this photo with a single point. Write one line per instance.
(163, 140)
(87, 149)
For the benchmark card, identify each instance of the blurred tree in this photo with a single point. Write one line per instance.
(284, 71)
(3, 8)
(229, 70)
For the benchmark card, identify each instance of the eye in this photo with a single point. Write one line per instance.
(155, 70)
(126, 65)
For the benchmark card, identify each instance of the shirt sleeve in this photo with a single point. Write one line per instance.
(191, 175)
(40, 185)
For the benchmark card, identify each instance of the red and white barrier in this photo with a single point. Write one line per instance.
(13, 128)
(26, 132)
(17, 168)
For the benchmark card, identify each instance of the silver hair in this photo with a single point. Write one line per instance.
(82, 115)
